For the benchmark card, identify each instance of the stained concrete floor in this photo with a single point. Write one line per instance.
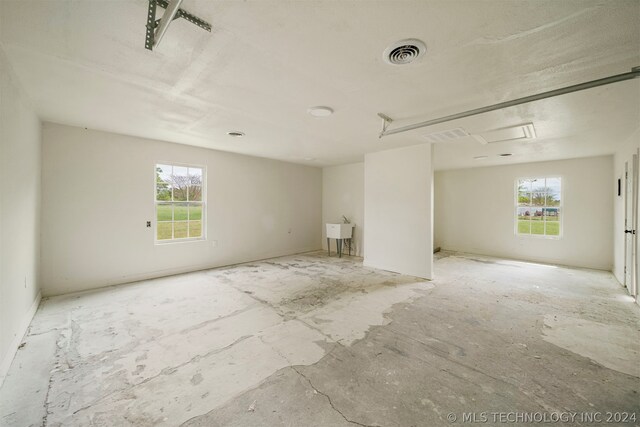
(309, 340)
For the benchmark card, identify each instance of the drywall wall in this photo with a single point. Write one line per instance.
(343, 194)
(475, 212)
(19, 214)
(623, 154)
(98, 193)
(398, 225)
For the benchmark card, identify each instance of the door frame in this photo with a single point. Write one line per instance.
(631, 226)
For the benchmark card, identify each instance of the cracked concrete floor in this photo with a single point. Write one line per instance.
(309, 340)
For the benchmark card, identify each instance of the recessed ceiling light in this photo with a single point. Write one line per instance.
(480, 157)
(404, 52)
(505, 154)
(309, 159)
(320, 111)
(236, 134)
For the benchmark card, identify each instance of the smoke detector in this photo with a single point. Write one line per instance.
(236, 134)
(404, 52)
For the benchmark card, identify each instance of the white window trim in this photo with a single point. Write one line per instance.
(155, 221)
(561, 207)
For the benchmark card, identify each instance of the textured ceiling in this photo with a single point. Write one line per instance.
(83, 63)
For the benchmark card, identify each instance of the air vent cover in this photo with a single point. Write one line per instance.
(512, 133)
(404, 52)
(446, 135)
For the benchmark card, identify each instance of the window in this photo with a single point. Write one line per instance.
(179, 203)
(538, 206)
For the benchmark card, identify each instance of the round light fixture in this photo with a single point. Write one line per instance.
(320, 111)
(236, 134)
(480, 157)
(404, 52)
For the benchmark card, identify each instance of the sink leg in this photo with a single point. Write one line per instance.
(339, 248)
(329, 246)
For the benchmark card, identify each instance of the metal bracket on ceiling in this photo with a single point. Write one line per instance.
(386, 121)
(157, 28)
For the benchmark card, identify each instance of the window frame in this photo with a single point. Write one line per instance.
(156, 202)
(560, 207)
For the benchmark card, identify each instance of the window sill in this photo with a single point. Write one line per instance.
(175, 241)
(538, 236)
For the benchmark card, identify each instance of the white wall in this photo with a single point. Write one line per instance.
(343, 194)
(475, 212)
(19, 214)
(398, 201)
(98, 194)
(623, 154)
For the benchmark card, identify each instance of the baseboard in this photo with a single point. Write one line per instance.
(127, 279)
(13, 347)
(395, 270)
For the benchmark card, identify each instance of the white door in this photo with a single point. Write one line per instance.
(630, 225)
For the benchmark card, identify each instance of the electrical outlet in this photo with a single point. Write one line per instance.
(214, 243)
(148, 224)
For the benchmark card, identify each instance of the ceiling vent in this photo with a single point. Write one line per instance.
(512, 133)
(446, 135)
(404, 52)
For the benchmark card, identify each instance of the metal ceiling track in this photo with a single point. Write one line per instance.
(157, 28)
(634, 73)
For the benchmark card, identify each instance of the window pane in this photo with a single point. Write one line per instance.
(163, 212)
(538, 185)
(553, 191)
(537, 214)
(553, 228)
(163, 182)
(163, 173)
(538, 192)
(180, 193)
(180, 212)
(524, 227)
(195, 176)
(524, 197)
(524, 212)
(164, 230)
(552, 214)
(163, 192)
(524, 185)
(180, 230)
(195, 193)
(180, 182)
(195, 212)
(195, 228)
(537, 227)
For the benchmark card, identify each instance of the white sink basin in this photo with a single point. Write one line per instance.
(340, 231)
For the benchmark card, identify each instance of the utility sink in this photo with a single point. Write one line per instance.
(339, 231)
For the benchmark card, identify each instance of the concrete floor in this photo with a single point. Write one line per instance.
(309, 340)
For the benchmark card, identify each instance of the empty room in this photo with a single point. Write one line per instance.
(319, 213)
